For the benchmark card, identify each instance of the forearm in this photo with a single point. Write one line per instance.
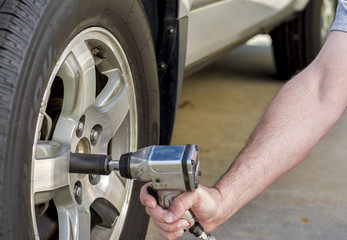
(295, 121)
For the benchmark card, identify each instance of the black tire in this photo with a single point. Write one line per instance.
(297, 42)
(33, 35)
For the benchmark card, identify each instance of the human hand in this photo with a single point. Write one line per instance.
(204, 202)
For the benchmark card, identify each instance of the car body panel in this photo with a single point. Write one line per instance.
(212, 27)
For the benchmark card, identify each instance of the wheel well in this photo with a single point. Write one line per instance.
(163, 22)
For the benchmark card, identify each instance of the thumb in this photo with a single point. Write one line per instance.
(181, 203)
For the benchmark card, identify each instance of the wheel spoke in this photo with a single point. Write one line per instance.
(112, 189)
(51, 168)
(120, 143)
(113, 114)
(74, 220)
(65, 129)
(112, 88)
(70, 74)
(78, 75)
(106, 198)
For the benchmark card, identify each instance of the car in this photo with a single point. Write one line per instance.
(104, 77)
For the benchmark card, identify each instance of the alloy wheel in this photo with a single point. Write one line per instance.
(89, 106)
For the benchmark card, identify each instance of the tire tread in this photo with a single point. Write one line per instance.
(297, 42)
(17, 23)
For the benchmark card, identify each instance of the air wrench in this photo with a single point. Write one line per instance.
(171, 169)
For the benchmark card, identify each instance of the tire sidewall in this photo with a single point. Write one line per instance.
(311, 29)
(59, 23)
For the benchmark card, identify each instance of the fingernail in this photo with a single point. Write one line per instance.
(182, 224)
(150, 204)
(169, 217)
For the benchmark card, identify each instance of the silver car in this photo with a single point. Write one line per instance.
(104, 77)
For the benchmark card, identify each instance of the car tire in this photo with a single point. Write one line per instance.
(36, 40)
(297, 42)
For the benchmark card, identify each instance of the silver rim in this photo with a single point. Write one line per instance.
(89, 106)
(328, 9)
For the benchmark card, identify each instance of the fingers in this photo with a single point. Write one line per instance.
(146, 199)
(203, 202)
(157, 213)
(173, 230)
(163, 219)
(152, 208)
(177, 209)
(179, 206)
(167, 230)
(172, 227)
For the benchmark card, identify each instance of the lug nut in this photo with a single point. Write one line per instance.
(94, 135)
(77, 191)
(80, 126)
(94, 176)
(94, 179)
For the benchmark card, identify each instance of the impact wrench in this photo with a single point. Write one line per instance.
(171, 169)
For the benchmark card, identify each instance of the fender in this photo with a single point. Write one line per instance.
(169, 33)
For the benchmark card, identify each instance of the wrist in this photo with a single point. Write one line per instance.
(228, 202)
(221, 210)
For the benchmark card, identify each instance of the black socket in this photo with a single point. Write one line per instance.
(89, 163)
(124, 165)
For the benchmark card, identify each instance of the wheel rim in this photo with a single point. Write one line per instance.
(328, 9)
(89, 106)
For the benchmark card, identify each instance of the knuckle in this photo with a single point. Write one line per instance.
(178, 204)
(151, 212)
(156, 214)
(142, 200)
(148, 211)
